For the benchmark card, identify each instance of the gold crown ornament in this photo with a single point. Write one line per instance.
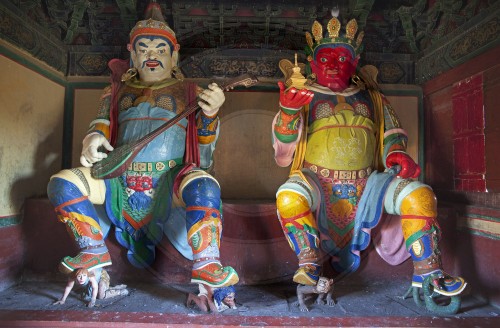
(334, 37)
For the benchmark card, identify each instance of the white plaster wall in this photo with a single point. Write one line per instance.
(31, 114)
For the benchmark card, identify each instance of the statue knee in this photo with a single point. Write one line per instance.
(419, 220)
(290, 204)
(420, 202)
(60, 190)
(77, 181)
(201, 191)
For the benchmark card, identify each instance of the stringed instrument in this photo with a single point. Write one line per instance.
(120, 158)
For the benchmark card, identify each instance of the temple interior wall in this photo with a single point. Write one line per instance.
(36, 105)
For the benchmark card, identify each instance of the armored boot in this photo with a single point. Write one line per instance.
(202, 198)
(93, 251)
(81, 219)
(421, 232)
(204, 239)
(427, 261)
(300, 229)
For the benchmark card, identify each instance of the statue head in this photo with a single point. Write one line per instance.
(333, 58)
(81, 276)
(224, 298)
(324, 285)
(154, 50)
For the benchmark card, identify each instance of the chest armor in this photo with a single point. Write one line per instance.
(171, 98)
(324, 105)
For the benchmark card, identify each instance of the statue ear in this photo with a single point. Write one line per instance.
(355, 61)
(175, 54)
(133, 55)
(175, 58)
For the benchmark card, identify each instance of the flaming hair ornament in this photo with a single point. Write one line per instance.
(153, 25)
(348, 39)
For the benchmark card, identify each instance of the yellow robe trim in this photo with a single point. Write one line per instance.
(379, 119)
(300, 151)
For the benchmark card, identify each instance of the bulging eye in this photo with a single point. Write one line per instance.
(161, 51)
(143, 51)
(342, 59)
(323, 59)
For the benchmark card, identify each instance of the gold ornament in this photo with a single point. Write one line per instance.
(309, 39)
(317, 31)
(297, 79)
(351, 29)
(333, 27)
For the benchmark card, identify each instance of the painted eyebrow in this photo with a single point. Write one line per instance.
(142, 44)
(161, 45)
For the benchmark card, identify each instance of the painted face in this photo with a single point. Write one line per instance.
(152, 58)
(229, 300)
(334, 67)
(81, 278)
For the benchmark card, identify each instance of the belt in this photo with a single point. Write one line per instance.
(154, 166)
(339, 174)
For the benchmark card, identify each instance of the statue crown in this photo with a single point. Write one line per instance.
(334, 36)
(153, 25)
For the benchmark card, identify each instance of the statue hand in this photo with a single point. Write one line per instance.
(409, 169)
(90, 153)
(213, 98)
(294, 99)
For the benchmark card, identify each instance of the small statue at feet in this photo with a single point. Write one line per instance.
(323, 288)
(166, 190)
(93, 285)
(349, 165)
(213, 299)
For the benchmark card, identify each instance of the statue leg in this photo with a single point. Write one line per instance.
(201, 195)
(75, 209)
(299, 226)
(107, 291)
(418, 210)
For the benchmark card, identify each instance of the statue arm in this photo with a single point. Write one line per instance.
(288, 122)
(395, 137)
(67, 290)
(101, 124)
(208, 133)
(286, 132)
(395, 143)
(207, 122)
(98, 133)
(95, 287)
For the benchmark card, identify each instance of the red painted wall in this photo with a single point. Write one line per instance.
(462, 137)
(461, 126)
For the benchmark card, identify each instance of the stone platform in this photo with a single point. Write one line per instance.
(359, 304)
